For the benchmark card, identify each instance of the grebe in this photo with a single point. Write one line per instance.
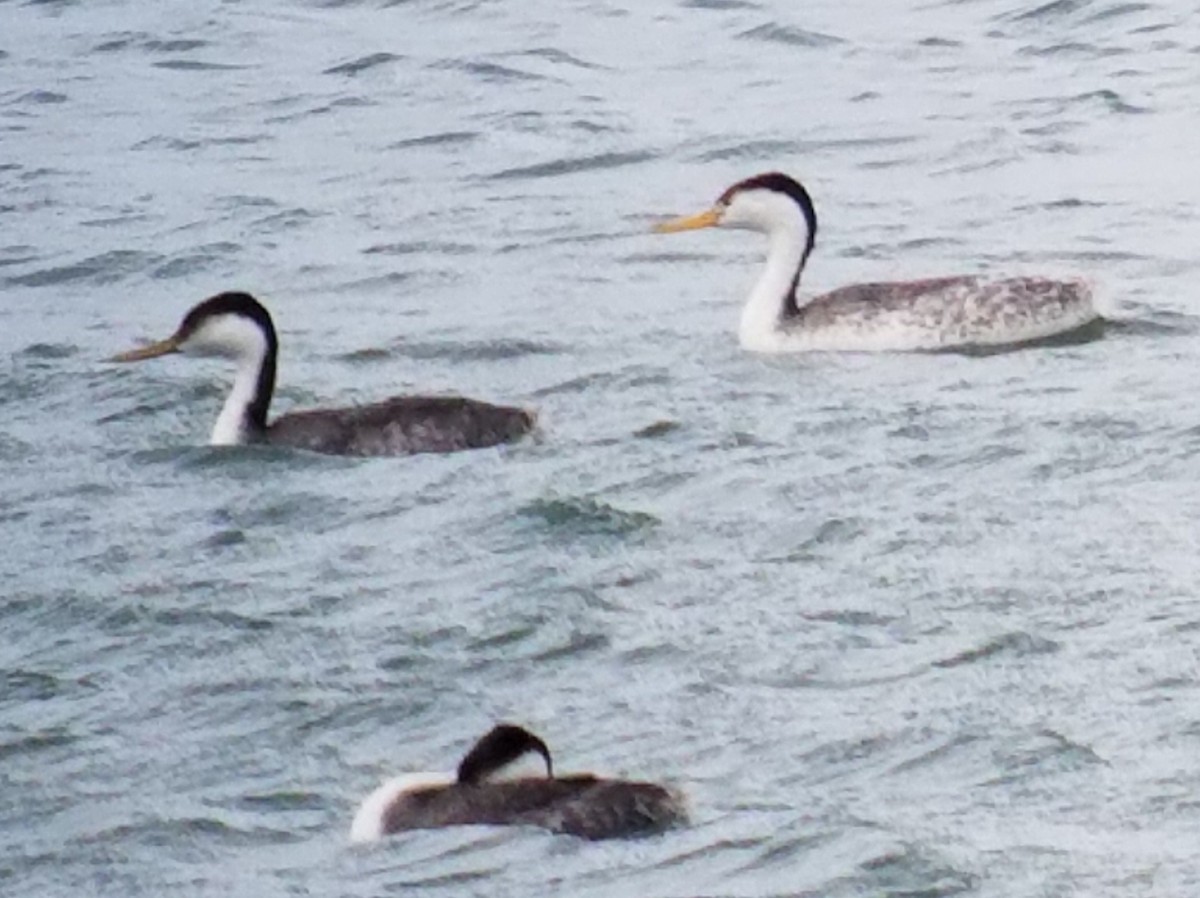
(580, 804)
(937, 313)
(237, 326)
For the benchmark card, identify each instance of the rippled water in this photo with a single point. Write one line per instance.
(898, 624)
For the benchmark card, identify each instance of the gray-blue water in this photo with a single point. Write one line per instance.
(907, 625)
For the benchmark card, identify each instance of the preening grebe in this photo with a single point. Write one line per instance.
(937, 313)
(237, 326)
(582, 804)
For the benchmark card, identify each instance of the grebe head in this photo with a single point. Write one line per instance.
(229, 325)
(498, 748)
(771, 203)
(780, 207)
(235, 326)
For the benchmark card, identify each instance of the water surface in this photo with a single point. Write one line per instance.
(898, 624)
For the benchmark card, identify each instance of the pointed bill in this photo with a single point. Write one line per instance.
(153, 351)
(708, 219)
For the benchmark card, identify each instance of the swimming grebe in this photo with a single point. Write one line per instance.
(938, 313)
(237, 326)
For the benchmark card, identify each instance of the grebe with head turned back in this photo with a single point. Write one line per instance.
(237, 326)
(937, 313)
(581, 804)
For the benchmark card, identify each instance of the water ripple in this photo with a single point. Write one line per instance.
(195, 65)
(719, 4)
(561, 57)
(909, 871)
(1056, 9)
(40, 98)
(106, 268)
(456, 351)
(445, 138)
(490, 72)
(202, 258)
(572, 517)
(1042, 754)
(790, 35)
(362, 64)
(1018, 644)
(35, 743)
(570, 166)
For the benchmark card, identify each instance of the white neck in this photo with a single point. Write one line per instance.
(241, 339)
(759, 329)
(230, 429)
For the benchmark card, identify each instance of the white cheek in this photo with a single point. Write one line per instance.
(760, 211)
(527, 766)
(230, 336)
(745, 213)
(732, 217)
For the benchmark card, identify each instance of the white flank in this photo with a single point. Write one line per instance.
(966, 315)
(369, 820)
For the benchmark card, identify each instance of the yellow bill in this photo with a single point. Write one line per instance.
(153, 351)
(709, 219)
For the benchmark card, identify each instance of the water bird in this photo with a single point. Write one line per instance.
(580, 804)
(935, 313)
(235, 325)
